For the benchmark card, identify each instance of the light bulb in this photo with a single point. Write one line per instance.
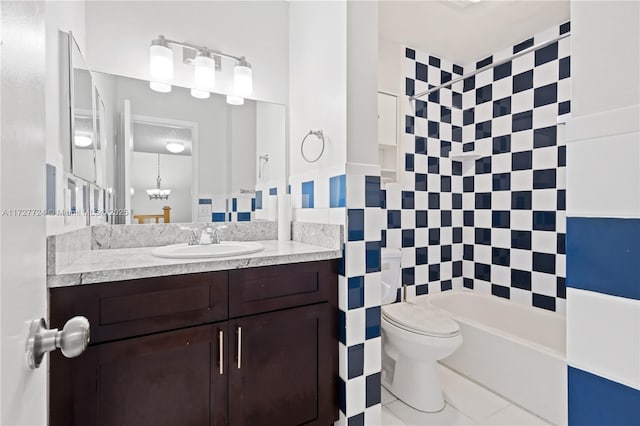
(242, 79)
(82, 140)
(160, 87)
(160, 60)
(175, 147)
(200, 94)
(235, 100)
(205, 71)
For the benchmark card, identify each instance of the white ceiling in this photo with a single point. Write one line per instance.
(153, 138)
(465, 34)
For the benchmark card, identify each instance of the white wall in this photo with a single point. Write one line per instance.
(390, 56)
(317, 81)
(610, 51)
(175, 172)
(119, 35)
(362, 82)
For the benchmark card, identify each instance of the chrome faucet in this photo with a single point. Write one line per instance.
(204, 236)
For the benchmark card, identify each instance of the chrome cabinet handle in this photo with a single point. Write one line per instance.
(239, 333)
(221, 351)
(72, 340)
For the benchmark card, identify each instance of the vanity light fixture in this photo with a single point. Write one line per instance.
(160, 87)
(235, 100)
(175, 147)
(82, 141)
(158, 193)
(242, 78)
(200, 94)
(205, 63)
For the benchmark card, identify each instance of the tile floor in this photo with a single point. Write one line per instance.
(467, 403)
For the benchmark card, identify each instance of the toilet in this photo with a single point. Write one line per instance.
(414, 338)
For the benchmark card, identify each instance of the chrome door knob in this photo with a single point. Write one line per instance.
(72, 340)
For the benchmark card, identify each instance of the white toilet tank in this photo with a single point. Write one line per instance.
(391, 273)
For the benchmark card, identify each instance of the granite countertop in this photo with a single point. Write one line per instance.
(97, 266)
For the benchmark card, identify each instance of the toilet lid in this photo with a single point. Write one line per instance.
(421, 320)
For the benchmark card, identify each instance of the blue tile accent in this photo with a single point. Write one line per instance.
(523, 45)
(407, 199)
(273, 191)
(410, 53)
(373, 256)
(523, 81)
(409, 162)
(258, 200)
(253, 204)
(422, 256)
(483, 272)
(355, 361)
(544, 302)
(421, 218)
(355, 224)
(408, 276)
(342, 327)
(544, 179)
(521, 279)
(394, 219)
(288, 189)
(204, 201)
(484, 62)
(422, 289)
(372, 319)
(373, 390)
(408, 237)
(434, 272)
(545, 95)
(565, 28)
(230, 217)
(372, 191)
(217, 217)
(521, 240)
(355, 292)
(545, 137)
(565, 68)
(420, 145)
(51, 189)
(546, 54)
(544, 221)
(357, 420)
(234, 204)
(500, 291)
(244, 217)
(338, 191)
(522, 121)
(342, 394)
(594, 400)
(307, 195)
(544, 262)
(602, 255)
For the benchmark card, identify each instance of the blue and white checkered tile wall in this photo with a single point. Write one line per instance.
(353, 199)
(497, 225)
(514, 196)
(359, 295)
(226, 209)
(424, 212)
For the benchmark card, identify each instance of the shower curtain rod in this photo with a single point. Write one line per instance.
(488, 67)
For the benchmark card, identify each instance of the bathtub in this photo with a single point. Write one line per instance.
(517, 351)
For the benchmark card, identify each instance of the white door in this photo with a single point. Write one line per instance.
(23, 293)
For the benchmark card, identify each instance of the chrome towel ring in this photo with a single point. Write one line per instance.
(319, 135)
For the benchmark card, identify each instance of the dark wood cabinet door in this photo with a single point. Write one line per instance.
(170, 378)
(280, 368)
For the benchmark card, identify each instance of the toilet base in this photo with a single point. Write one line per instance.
(416, 383)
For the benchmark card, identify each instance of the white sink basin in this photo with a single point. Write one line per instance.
(224, 249)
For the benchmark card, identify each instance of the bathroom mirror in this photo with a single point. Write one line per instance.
(204, 159)
(81, 102)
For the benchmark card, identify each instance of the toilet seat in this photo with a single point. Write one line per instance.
(420, 320)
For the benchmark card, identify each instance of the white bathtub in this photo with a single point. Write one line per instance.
(517, 351)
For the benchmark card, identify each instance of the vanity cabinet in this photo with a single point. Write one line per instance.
(244, 347)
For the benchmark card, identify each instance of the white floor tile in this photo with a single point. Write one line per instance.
(470, 398)
(388, 419)
(387, 397)
(513, 416)
(447, 417)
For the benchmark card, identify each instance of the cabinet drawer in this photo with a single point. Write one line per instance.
(270, 288)
(136, 307)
